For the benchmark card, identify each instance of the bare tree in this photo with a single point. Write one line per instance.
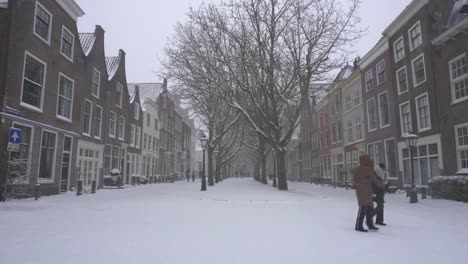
(260, 57)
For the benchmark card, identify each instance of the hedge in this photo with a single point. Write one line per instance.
(450, 187)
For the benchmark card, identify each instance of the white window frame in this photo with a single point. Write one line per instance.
(395, 56)
(417, 112)
(24, 104)
(380, 113)
(136, 114)
(453, 81)
(377, 72)
(458, 147)
(357, 97)
(72, 47)
(368, 117)
(98, 84)
(401, 118)
(410, 40)
(89, 133)
(132, 135)
(100, 124)
(414, 72)
(358, 124)
(112, 133)
(119, 99)
(122, 137)
(398, 80)
(137, 136)
(371, 79)
(54, 159)
(71, 99)
(47, 41)
(30, 150)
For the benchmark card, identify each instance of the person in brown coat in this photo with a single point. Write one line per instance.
(363, 178)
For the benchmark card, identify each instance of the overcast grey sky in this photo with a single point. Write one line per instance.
(142, 27)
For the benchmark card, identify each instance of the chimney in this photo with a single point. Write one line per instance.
(165, 85)
(356, 62)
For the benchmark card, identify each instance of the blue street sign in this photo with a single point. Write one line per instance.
(14, 136)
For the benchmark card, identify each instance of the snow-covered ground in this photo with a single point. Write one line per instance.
(238, 221)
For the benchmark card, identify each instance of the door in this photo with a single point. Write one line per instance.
(66, 158)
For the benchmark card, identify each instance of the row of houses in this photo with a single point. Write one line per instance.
(79, 117)
(414, 80)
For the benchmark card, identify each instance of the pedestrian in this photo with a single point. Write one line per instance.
(363, 177)
(193, 176)
(378, 195)
(187, 174)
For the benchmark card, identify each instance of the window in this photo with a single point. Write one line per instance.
(369, 80)
(405, 117)
(95, 89)
(119, 90)
(107, 157)
(33, 81)
(462, 145)
(358, 128)
(97, 121)
(136, 114)
(112, 119)
(148, 120)
(348, 102)
(154, 144)
(87, 117)
(402, 80)
(357, 99)
(65, 95)
(42, 23)
(23, 155)
(399, 49)
(338, 102)
(384, 110)
(372, 114)
(415, 37)
(115, 157)
(459, 78)
(425, 162)
(423, 112)
(155, 124)
(145, 140)
(419, 71)
(340, 131)
(334, 133)
(46, 165)
(381, 72)
(132, 135)
(122, 128)
(390, 154)
(67, 44)
(350, 131)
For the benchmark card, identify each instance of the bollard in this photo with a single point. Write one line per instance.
(37, 195)
(79, 188)
(93, 186)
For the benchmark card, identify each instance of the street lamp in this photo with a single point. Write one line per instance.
(203, 142)
(411, 142)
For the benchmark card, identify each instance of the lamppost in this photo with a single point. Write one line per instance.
(411, 142)
(203, 142)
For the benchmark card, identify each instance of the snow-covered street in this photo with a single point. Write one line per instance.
(238, 221)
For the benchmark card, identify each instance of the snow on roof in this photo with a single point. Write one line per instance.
(344, 73)
(147, 90)
(112, 64)
(456, 15)
(87, 42)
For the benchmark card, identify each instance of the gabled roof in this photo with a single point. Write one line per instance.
(87, 42)
(457, 22)
(344, 73)
(147, 90)
(112, 64)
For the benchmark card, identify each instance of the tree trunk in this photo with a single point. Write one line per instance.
(210, 166)
(281, 163)
(264, 172)
(257, 172)
(217, 171)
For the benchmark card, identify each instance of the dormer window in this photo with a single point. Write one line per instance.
(137, 111)
(118, 90)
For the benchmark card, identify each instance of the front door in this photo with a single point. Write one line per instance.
(67, 143)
